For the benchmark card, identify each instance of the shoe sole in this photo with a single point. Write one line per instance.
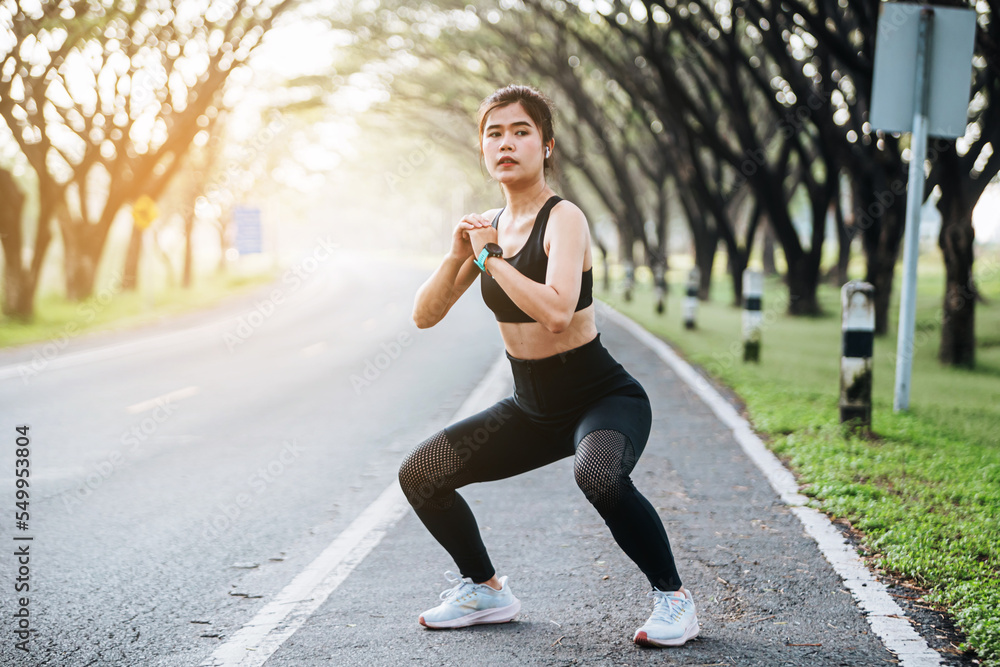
(643, 640)
(496, 615)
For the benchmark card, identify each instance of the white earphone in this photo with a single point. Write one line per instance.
(547, 151)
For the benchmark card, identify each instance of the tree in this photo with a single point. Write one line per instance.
(846, 31)
(713, 93)
(962, 177)
(15, 276)
(103, 100)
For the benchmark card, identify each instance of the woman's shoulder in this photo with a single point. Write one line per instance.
(566, 212)
(568, 223)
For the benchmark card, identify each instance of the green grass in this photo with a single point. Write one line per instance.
(925, 491)
(58, 319)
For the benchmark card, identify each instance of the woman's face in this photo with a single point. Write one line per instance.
(512, 145)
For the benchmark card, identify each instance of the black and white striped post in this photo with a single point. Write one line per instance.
(691, 298)
(753, 296)
(858, 325)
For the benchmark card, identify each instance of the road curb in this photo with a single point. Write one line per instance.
(886, 618)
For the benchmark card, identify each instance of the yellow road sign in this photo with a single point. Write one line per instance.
(144, 211)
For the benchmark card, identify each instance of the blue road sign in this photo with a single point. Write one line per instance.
(249, 233)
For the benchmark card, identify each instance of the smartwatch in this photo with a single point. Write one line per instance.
(489, 250)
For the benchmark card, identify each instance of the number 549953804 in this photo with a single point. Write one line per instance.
(22, 471)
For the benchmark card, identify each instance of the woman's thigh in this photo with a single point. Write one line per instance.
(628, 413)
(502, 441)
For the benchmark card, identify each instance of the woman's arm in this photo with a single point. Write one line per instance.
(553, 303)
(451, 279)
(436, 296)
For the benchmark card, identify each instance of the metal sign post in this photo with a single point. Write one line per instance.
(914, 202)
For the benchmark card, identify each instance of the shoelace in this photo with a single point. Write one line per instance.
(458, 589)
(666, 607)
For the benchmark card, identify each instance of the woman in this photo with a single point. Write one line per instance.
(570, 399)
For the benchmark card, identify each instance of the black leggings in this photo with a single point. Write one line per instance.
(580, 403)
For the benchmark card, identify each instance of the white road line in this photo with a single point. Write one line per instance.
(160, 400)
(278, 620)
(885, 617)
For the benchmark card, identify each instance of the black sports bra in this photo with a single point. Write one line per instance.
(532, 262)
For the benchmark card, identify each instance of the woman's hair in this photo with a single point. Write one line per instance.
(534, 103)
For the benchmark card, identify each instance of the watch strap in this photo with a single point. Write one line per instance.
(485, 254)
(480, 261)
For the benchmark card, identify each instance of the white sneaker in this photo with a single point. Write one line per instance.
(673, 621)
(467, 603)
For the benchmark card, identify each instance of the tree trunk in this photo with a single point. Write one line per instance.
(660, 281)
(843, 245)
(223, 239)
(959, 195)
(704, 258)
(803, 273)
(81, 267)
(803, 279)
(663, 230)
(767, 252)
(958, 323)
(881, 274)
(603, 250)
(734, 266)
(626, 252)
(737, 265)
(660, 252)
(18, 288)
(18, 295)
(607, 268)
(188, 250)
(881, 222)
(130, 272)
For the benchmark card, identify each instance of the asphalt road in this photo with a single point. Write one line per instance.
(181, 475)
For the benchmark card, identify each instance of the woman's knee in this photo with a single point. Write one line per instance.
(601, 466)
(422, 489)
(428, 472)
(409, 475)
(600, 483)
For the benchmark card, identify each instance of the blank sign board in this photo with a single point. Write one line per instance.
(952, 39)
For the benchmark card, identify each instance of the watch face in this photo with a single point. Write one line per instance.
(494, 249)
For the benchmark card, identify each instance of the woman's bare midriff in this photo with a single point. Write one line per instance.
(531, 340)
